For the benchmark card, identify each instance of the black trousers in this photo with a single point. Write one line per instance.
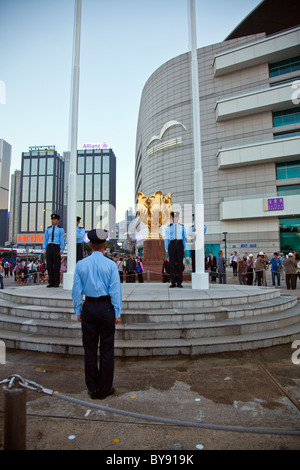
(291, 281)
(98, 323)
(53, 264)
(79, 252)
(175, 250)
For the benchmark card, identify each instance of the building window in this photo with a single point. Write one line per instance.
(24, 219)
(89, 187)
(288, 170)
(42, 166)
(105, 164)
(80, 165)
(26, 167)
(97, 164)
(89, 164)
(25, 189)
(49, 191)
(285, 66)
(286, 117)
(105, 188)
(286, 135)
(50, 166)
(291, 190)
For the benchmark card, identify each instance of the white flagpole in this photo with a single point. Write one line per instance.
(72, 194)
(199, 277)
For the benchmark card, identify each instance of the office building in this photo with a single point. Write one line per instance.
(5, 159)
(14, 215)
(96, 189)
(249, 88)
(42, 179)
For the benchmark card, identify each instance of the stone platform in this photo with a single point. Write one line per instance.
(156, 320)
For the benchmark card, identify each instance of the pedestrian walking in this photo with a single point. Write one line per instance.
(212, 266)
(260, 267)
(291, 272)
(120, 268)
(275, 263)
(234, 262)
(250, 267)
(97, 277)
(1, 275)
(166, 270)
(53, 246)
(221, 267)
(80, 233)
(242, 270)
(130, 269)
(139, 270)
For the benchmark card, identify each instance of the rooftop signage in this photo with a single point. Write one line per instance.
(42, 148)
(96, 145)
(30, 238)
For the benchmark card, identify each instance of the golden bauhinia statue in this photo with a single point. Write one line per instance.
(154, 211)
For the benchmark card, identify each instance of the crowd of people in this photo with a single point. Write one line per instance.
(248, 270)
(253, 271)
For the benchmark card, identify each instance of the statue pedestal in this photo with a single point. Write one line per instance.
(153, 258)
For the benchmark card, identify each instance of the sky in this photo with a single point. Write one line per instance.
(122, 43)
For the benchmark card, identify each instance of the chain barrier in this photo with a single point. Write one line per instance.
(16, 380)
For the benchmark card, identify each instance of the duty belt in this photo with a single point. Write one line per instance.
(103, 298)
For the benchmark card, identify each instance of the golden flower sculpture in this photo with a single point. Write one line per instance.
(154, 211)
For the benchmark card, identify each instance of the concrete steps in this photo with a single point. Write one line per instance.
(191, 325)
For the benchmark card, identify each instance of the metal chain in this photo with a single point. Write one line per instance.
(16, 380)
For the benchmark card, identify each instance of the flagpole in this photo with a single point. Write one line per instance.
(72, 194)
(199, 277)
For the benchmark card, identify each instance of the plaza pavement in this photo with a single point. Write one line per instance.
(253, 389)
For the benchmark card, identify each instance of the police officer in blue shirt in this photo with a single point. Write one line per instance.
(80, 232)
(175, 242)
(53, 246)
(97, 277)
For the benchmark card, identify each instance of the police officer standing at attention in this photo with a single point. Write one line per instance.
(53, 246)
(175, 242)
(97, 277)
(80, 232)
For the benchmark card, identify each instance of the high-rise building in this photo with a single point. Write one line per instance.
(5, 159)
(14, 214)
(42, 179)
(249, 95)
(96, 189)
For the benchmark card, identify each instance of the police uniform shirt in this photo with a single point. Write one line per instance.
(54, 234)
(80, 232)
(175, 232)
(97, 276)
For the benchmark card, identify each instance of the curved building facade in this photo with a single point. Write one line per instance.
(250, 140)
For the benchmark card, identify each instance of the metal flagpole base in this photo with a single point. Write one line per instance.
(200, 281)
(68, 281)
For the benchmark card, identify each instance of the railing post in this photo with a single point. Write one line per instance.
(14, 418)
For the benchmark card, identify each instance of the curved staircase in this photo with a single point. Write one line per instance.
(156, 321)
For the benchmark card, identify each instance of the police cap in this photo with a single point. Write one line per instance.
(174, 214)
(55, 216)
(98, 235)
(78, 219)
